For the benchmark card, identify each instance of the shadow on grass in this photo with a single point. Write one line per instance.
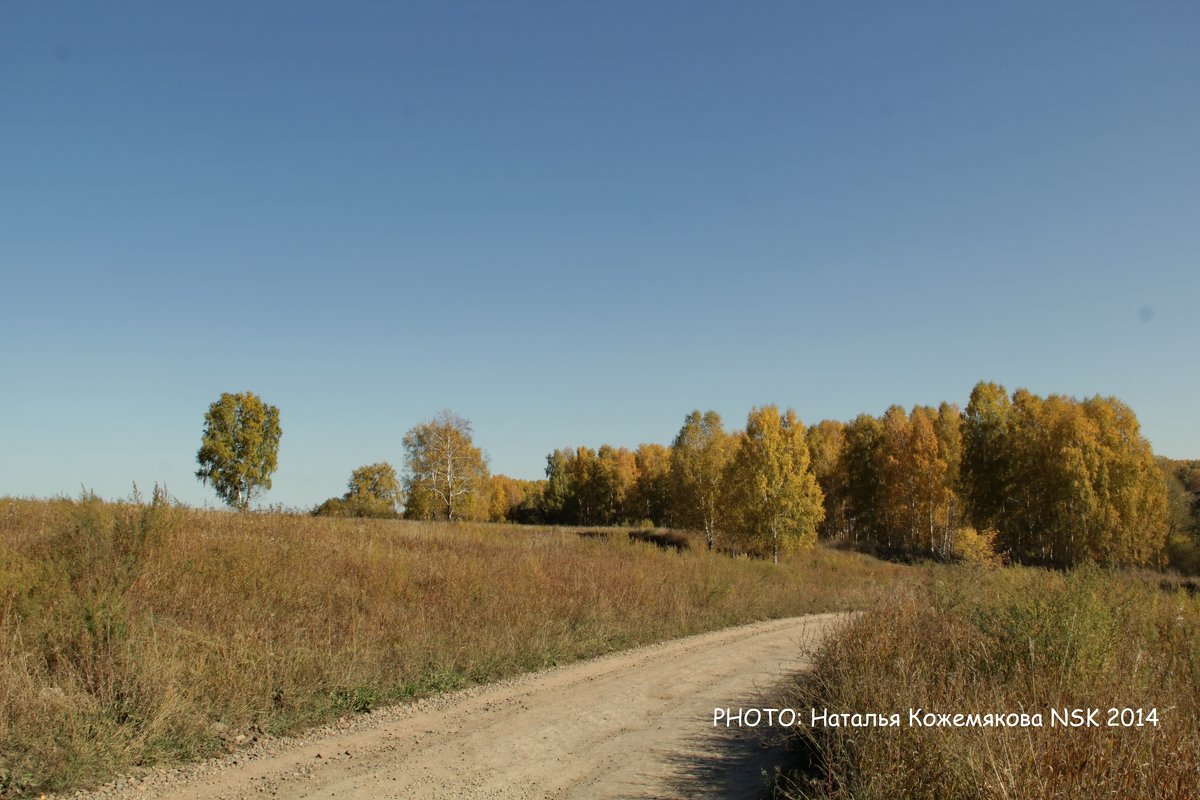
(664, 539)
(667, 540)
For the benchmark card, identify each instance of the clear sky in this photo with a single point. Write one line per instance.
(573, 222)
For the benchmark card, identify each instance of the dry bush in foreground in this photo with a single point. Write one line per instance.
(1014, 640)
(135, 633)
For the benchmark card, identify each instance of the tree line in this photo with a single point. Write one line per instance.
(1047, 480)
(1051, 480)
(754, 489)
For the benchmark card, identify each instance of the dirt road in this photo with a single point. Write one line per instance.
(633, 724)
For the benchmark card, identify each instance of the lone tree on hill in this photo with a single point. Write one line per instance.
(239, 449)
(446, 473)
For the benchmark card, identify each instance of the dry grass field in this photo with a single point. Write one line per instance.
(1012, 640)
(135, 633)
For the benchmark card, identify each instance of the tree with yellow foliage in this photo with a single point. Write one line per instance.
(826, 445)
(615, 477)
(862, 458)
(446, 474)
(651, 495)
(1085, 486)
(699, 457)
(773, 493)
(986, 471)
(514, 500)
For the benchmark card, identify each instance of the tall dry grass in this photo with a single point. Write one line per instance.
(132, 633)
(1013, 640)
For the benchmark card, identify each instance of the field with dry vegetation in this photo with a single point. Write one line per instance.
(1011, 640)
(133, 633)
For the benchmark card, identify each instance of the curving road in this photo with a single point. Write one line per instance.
(633, 724)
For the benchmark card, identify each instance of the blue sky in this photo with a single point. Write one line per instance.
(574, 222)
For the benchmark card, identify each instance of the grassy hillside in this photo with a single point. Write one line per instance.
(135, 633)
(1013, 640)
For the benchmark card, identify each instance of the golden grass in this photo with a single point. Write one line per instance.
(135, 633)
(1013, 640)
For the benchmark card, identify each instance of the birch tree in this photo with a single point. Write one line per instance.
(446, 474)
(771, 486)
(651, 494)
(986, 455)
(862, 456)
(699, 456)
(826, 444)
(240, 447)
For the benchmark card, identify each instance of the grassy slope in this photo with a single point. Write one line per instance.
(1013, 640)
(132, 634)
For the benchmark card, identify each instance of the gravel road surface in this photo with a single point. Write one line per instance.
(634, 724)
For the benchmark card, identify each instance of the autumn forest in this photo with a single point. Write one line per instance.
(1040, 480)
